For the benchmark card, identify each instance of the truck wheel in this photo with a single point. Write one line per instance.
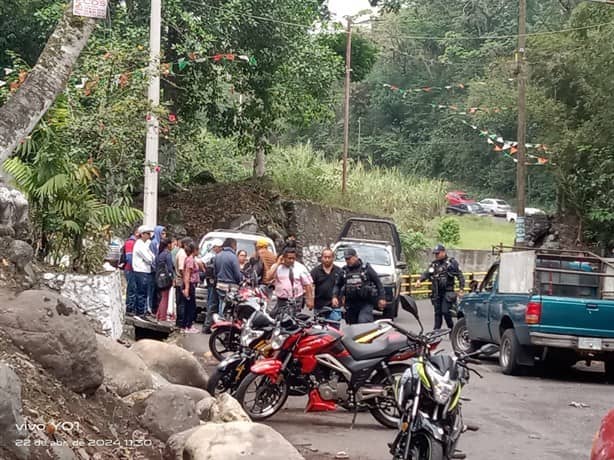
(461, 342)
(508, 354)
(609, 370)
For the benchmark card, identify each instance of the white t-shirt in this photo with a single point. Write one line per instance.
(142, 257)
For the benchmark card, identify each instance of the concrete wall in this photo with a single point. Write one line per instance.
(100, 296)
(470, 260)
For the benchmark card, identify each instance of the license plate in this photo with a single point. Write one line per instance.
(586, 343)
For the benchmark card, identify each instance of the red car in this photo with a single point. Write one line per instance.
(603, 447)
(458, 197)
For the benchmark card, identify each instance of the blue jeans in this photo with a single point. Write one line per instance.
(222, 297)
(130, 291)
(143, 282)
(213, 304)
(151, 294)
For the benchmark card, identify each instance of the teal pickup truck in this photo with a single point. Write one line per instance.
(553, 307)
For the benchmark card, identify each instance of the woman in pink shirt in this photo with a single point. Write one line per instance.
(191, 278)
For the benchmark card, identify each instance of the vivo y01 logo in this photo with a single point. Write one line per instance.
(49, 427)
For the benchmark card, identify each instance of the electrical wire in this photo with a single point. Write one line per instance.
(420, 37)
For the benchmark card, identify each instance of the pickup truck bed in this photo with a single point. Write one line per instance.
(565, 316)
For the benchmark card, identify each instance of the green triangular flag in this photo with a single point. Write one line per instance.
(252, 60)
(182, 64)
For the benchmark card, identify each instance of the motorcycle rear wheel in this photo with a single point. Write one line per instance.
(260, 397)
(224, 341)
(425, 447)
(385, 410)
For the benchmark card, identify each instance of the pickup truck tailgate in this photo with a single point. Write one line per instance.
(575, 316)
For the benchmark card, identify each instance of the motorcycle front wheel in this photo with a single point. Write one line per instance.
(260, 397)
(424, 447)
(384, 409)
(224, 341)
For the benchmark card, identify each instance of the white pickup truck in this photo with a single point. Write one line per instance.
(511, 216)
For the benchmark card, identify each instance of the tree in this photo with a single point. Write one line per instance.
(20, 114)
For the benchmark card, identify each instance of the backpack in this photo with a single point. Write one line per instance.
(164, 278)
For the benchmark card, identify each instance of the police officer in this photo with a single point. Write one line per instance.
(361, 287)
(441, 274)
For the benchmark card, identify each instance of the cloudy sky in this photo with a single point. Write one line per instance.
(341, 8)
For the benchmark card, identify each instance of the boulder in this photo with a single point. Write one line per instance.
(230, 441)
(53, 331)
(10, 412)
(172, 362)
(124, 371)
(229, 410)
(170, 410)
(137, 398)
(13, 212)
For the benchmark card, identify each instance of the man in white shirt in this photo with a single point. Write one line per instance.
(142, 265)
(293, 283)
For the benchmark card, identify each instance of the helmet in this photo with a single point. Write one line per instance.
(261, 320)
(262, 243)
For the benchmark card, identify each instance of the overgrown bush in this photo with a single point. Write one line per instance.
(448, 231)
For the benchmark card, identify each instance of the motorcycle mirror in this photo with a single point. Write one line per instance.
(489, 349)
(409, 305)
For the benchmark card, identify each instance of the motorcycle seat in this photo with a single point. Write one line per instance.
(358, 330)
(378, 349)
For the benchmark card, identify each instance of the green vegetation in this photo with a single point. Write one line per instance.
(476, 232)
(448, 231)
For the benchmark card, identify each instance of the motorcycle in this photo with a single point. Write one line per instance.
(239, 305)
(429, 397)
(333, 367)
(255, 343)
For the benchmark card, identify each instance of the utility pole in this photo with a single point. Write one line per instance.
(346, 121)
(359, 123)
(150, 202)
(521, 165)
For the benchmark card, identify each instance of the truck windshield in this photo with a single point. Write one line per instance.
(368, 254)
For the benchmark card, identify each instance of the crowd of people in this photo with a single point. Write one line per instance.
(162, 275)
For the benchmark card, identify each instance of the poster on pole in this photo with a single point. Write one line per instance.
(90, 8)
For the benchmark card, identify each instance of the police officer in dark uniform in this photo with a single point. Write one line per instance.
(441, 274)
(361, 287)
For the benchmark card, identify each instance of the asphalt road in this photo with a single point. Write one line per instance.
(528, 418)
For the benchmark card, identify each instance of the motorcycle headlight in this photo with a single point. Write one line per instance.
(248, 335)
(278, 339)
(442, 386)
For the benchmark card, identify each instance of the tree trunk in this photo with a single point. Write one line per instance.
(259, 161)
(46, 81)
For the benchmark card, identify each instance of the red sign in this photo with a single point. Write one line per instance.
(90, 8)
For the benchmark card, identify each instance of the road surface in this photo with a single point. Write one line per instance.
(528, 418)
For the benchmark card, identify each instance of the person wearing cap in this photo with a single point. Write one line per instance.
(142, 263)
(266, 258)
(215, 247)
(442, 273)
(361, 287)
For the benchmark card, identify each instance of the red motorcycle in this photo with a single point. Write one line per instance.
(333, 368)
(239, 305)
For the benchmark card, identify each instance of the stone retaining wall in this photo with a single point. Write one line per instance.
(97, 295)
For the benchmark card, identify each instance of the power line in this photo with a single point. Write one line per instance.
(417, 37)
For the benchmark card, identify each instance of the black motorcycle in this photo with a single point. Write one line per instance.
(429, 398)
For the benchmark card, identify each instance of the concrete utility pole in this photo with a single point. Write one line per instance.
(521, 165)
(150, 202)
(346, 121)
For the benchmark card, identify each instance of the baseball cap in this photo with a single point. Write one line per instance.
(145, 229)
(216, 242)
(262, 243)
(439, 248)
(349, 252)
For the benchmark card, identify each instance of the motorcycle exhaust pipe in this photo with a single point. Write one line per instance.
(370, 393)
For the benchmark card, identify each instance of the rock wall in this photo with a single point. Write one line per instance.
(16, 271)
(100, 296)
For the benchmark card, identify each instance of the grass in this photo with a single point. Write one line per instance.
(480, 232)
(411, 201)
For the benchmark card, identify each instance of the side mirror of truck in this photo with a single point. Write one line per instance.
(401, 265)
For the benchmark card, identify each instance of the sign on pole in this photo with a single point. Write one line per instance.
(90, 8)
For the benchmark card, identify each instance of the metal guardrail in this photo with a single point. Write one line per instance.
(408, 281)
